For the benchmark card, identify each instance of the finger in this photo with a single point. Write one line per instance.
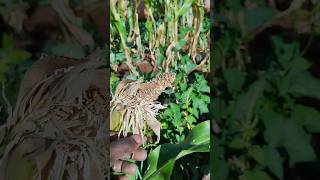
(123, 178)
(140, 155)
(124, 147)
(129, 168)
(124, 167)
(116, 167)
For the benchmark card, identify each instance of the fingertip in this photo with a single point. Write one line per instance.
(140, 155)
(117, 166)
(129, 168)
(137, 138)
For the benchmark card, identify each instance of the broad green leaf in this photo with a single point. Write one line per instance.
(200, 134)
(273, 127)
(308, 117)
(287, 133)
(256, 153)
(161, 159)
(246, 102)
(219, 166)
(297, 143)
(273, 161)
(234, 79)
(300, 64)
(304, 84)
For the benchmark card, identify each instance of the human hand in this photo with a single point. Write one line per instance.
(123, 149)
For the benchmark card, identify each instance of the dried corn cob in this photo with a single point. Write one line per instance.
(134, 106)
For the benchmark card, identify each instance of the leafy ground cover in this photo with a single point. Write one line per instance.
(266, 85)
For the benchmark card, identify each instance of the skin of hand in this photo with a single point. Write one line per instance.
(124, 148)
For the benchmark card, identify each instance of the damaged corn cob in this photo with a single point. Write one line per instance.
(134, 106)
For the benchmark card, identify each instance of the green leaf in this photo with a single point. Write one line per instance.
(176, 111)
(304, 84)
(219, 166)
(205, 98)
(286, 52)
(185, 7)
(202, 84)
(168, 112)
(221, 169)
(7, 41)
(256, 153)
(204, 88)
(161, 160)
(187, 94)
(273, 127)
(180, 44)
(234, 79)
(18, 56)
(257, 16)
(190, 119)
(246, 102)
(238, 143)
(308, 117)
(201, 105)
(190, 66)
(300, 64)
(287, 133)
(273, 161)
(297, 143)
(256, 175)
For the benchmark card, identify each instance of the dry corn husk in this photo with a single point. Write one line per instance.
(134, 106)
(58, 128)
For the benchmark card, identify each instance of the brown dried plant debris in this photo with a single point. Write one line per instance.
(135, 102)
(60, 123)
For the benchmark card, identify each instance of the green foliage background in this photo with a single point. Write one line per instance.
(266, 85)
(188, 103)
